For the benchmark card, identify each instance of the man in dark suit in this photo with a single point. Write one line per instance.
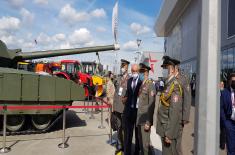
(227, 114)
(130, 111)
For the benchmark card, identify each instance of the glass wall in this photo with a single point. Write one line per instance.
(231, 18)
(227, 62)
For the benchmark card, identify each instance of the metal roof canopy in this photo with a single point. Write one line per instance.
(170, 13)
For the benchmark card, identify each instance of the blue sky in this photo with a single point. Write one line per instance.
(79, 23)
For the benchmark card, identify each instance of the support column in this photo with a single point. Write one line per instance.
(207, 95)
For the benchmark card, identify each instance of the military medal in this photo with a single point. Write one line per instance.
(152, 93)
(175, 98)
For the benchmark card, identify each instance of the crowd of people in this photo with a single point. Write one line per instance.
(133, 99)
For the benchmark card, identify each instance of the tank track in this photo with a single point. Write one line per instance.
(32, 130)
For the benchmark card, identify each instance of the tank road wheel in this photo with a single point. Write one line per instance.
(41, 122)
(15, 122)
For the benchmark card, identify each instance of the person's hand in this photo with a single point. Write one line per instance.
(124, 100)
(147, 127)
(185, 122)
(167, 140)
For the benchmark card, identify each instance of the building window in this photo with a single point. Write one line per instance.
(224, 60)
(231, 18)
(230, 60)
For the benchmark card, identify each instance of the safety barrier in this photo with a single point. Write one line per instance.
(64, 144)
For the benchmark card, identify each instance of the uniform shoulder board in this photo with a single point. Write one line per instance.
(149, 81)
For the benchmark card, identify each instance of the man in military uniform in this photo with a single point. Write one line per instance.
(120, 90)
(110, 89)
(187, 98)
(146, 106)
(169, 115)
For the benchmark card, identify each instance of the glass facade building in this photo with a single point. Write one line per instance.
(227, 38)
(227, 62)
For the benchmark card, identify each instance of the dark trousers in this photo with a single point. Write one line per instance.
(130, 115)
(230, 136)
(222, 137)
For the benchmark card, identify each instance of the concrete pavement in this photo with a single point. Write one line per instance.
(83, 136)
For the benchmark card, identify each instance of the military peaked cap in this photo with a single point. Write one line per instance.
(123, 61)
(169, 61)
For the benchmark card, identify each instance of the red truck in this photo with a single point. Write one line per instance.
(73, 70)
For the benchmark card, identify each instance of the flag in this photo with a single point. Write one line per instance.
(115, 21)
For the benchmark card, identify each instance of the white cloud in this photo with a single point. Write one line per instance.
(8, 40)
(27, 16)
(65, 45)
(16, 3)
(98, 13)
(101, 29)
(81, 37)
(43, 39)
(139, 29)
(14, 42)
(88, 44)
(71, 15)
(28, 45)
(9, 23)
(130, 46)
(59, 37)
(41, 2)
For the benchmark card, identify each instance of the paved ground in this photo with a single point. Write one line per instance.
(84, 138)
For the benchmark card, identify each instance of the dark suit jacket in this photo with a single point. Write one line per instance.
(225, 105)
(132, 96)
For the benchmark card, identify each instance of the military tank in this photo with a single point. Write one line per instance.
(24, 88)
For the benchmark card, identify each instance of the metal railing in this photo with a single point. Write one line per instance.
(64, 144)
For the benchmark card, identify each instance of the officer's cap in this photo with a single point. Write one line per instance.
(169, 61)
(123, 61)
(145, 65)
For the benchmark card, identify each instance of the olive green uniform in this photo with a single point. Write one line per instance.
(118, 107)
(110, 90)
(186, 105)
(146, 106)
(169, 116)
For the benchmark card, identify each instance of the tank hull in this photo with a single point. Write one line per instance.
(22, 88)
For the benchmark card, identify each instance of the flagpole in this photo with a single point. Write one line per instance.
(114, 30)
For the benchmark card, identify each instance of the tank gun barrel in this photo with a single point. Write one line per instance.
(52, 53)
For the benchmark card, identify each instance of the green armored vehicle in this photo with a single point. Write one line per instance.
(23, 88)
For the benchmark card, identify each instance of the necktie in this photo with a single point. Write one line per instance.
(233, 101)
(133, 84)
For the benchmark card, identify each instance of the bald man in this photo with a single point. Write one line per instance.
(130, 111)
